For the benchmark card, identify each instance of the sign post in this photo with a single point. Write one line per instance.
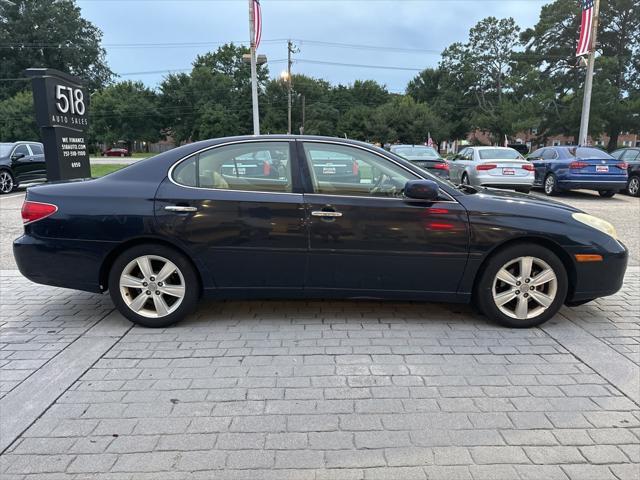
(62, 113)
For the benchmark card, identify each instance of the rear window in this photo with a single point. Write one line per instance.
(586, 152)
(427, 153)
(499, 154)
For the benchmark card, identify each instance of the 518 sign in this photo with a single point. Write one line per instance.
(70, 100)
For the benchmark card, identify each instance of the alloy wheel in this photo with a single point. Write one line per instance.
(634, 186)
(6, 182)
(152, 286)
(524, 288)
(549, 185)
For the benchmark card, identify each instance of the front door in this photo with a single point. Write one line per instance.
(366, 237)
(245, 226)
(21, 163)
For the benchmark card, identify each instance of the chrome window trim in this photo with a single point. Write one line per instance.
(212, 147)
(288, 140)
(20, 145)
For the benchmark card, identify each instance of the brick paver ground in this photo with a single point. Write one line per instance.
(323, 390)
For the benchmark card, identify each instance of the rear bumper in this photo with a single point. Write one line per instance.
(61, 263)
(504, 181)
(587, 184)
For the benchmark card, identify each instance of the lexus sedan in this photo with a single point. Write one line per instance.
(163, 232)
(558, 169)
(21, 162)
(499, 167)
(424, 157)
(630, 156)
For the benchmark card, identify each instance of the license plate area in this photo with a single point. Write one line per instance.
(602, 168)
(328, 170)
(508, 171)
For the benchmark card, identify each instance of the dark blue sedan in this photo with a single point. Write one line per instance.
(558, 169)
(163, 232)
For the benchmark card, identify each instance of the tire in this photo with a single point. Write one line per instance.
(550, 185)
(489, 287)
(465, 179)
(523, 189)
(606, 193)
(154, 310)
(7, 182)
(633, 187)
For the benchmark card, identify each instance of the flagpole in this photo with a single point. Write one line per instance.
(254, 70)
(588, 83)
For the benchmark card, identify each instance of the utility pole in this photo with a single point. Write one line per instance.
(588, 83)
(291, 48)
(303, 115)
(254, 71)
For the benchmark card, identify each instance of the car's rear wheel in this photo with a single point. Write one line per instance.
(633, 187)
(153, 285)
(522, 286)
(606, 193)
(7, 182)
(551, 185)
(465, 179)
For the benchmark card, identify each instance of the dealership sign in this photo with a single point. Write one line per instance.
(62, 111)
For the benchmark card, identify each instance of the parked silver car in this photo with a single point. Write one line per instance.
(500, 167)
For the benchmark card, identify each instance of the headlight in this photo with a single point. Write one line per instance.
(597, 223)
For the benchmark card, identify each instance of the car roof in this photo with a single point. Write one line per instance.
(487, 147)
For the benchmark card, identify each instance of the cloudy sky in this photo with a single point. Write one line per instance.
(417, 29)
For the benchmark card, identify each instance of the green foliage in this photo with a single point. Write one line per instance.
(27, 25)
(18, 118)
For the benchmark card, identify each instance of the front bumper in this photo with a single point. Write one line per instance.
(599, 279)
(62, 263)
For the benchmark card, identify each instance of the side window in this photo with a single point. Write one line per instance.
(36, 149)
(536, 154)
(549, 154)
(469, 155)
(343, 170)
(254, 166)
(630, 155)
(22, 149)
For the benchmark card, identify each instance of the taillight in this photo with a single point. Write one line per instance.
(577, 165)
(355, 168)
(528, 167)
(486, 166)
(622, 166)
(441, 166)
(266, 169)
(34, 211)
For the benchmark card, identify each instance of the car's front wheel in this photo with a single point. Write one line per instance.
(7, 182)
(551, 185)
(633, 187)
(522, 286)
(153, 285)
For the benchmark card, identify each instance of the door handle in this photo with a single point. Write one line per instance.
(321, 213)
(180, 209)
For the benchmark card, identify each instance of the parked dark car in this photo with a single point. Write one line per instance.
(631, 156)
(424, 157)
(558, 169)
(21, 162)
(162, 232)
(116, 152)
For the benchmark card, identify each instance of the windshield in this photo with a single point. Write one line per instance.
(588, 153)
(499, 154)
(5, 148)
(417, 151)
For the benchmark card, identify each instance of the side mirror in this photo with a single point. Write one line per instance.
(421, 190)
(17, 156)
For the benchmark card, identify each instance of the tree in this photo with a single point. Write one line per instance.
(403, 120)
(18, 120)
(126, 111)
(52, 33)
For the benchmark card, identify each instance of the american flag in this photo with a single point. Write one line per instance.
(584, 42)
(257, 22)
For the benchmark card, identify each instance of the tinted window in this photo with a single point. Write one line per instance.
(499, 154)
(21, 149)
(549, 154)
(259, 166)
(358, 172)
(618, 153)
(585, 152)
(630, 155)
(427, 153)
(536, 154)
(36, 149)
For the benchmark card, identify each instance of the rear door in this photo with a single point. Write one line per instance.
(247, 232)
(365, 237)
(37, 161)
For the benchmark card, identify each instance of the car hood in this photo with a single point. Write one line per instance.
(489, 195)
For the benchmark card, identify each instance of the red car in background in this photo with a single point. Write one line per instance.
(116, 152)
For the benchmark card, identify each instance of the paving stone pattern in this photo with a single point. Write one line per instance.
(323, 390)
